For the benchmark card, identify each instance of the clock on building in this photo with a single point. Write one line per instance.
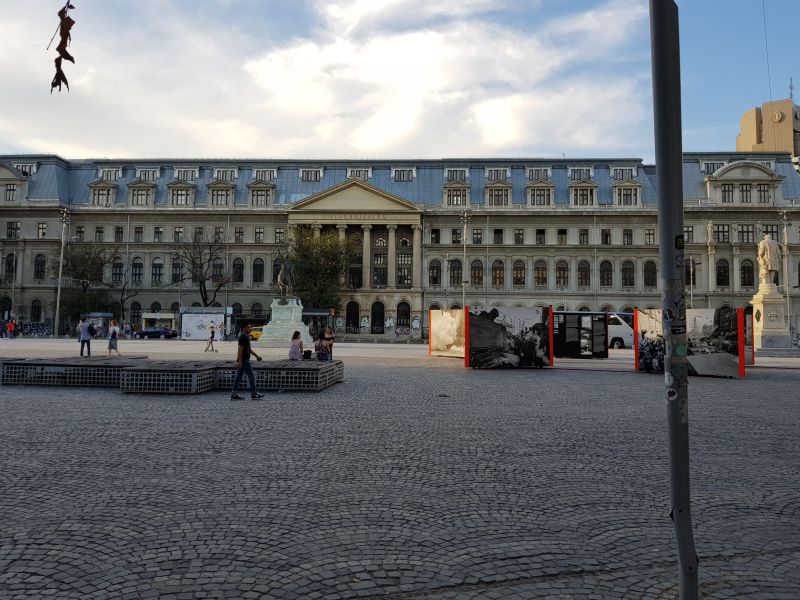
(777, 116)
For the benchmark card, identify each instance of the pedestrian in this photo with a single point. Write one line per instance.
(296, 347)
(3, 326)
(85, 336)
(243, 366)
(113, 335)
(328, 337)
(12, 329)
(210, 344)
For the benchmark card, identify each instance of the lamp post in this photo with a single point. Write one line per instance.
(466, 217)
(63, 218)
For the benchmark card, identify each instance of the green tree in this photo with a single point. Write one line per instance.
(318, 264)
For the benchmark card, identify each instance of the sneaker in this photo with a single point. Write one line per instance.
(256, 396)
(236, 397)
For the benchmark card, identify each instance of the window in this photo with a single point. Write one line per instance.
(540, 197)
(519, 237)
(259, 197)
(280, 235)
(498, 236)
(110, 174)
(497, 174)
(137, 270)
(562, 273)
(628, 274)
(498, 196)
(199, 234)
(220, 197)
(379, 273)
(36, 311)
(11, 266)
(540, 236)
(264, 174)
(363, 174)
(772, 230)
(380, 242)
(455, 272)
(140, 196)
(101, 196)
(722, 234)
(435, 273)
(627, 237)
(456, 174)
(606, 274)
(477, 236)
(498, 273)
(237, 274)
(158, 234)
(136, 313)
(455, 236)
(180, 197)
(117, 270)
(118, 234)
(605, 237)
(746, 193)
(404, 270)
(217, 270)
(225, 174)
(538, 174)
(219, 234)
(186, 174)
(710, 166)
(157, 272)
(39, 266)
(435, 236)
(688, 234)
(518, 273)
(236, 308)
(41, 230)
(540, 273)
(177, 234)
(583, 237)
(403, 314)
(580, 174)
(26, 169)
(747, 273)
(584, 274)
(727, 193)
(621, 174)
(627, 196)
(155, 307)
(238, 235)
(80, 232)
(258, 271)
(177, 270)
(650, 274)
(310, 174)
(582, 196)
(763, 193)
(256, 309)
(476, 273)
(403, 175)
(723, 273)
(99, 234)
(148, 174)
(561, 237)
(138, 234)
(650, 236)
(11, 192)
(747, 234)
(456, 197)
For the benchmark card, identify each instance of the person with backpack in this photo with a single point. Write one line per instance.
(85, 333)
(113, 335)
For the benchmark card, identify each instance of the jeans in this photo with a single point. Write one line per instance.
(88, 344)
(251, 378)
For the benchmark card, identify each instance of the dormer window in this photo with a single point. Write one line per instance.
(359, 173)
(110, 174)
(259, 197)
(456, 196)
(26, 169)
(140, 196)
(404, 174)
(453, 175)
(540, 193)
(497, 196)
(11, 192)
(264, 174)
(709, 167)
(221, 196)
(313, 175)
(627, 196)
(580, 173)
(148, 174)
(101, 196)
(539, 174)
(582, 196)
(497, 174)
(185, 174)
(623, 173)
(224, 174)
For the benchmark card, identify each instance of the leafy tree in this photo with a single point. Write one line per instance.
(203, 261)
(319, 262)
(85, 264)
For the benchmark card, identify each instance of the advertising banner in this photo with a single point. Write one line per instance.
(714, 341)
(447, 335)
(197, 326)
(513, 337)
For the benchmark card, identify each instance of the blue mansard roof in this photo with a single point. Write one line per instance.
(68, 180)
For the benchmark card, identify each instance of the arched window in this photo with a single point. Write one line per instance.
(216, 305)
(39, 264)
(380, 242)
(540, 273)
(404, 242)
(236, 308)
(10, 266)
(136, 314)
(217, 270)
(562, 273)
(435, 306)
(607, 308)
(606, 274)
(628, 274)
(584, 274)
(498, 273)
(376, 318)
(195, 305)
(650, 274)
(435, 273)
(258, 270)
(137, 270)
(157, 271)
(177, 271)
(584, 309)
(723, 273)
(155, 307)
(518, 273)
(117, 270)
(747, 273)
(351, 319)
(455, 272)
(455, 307)
(257, 310)
(238, 270)
(476, 273)
(403, 315)
(36, 311)
(174, 308)
(627, 309)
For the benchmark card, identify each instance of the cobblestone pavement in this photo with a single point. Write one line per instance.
(410, 481)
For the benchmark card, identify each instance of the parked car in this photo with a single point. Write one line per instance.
(156, 332)
(256, 332)
(620, 333)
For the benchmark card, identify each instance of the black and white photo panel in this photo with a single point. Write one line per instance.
(514, 337)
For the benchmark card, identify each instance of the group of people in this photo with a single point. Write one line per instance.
(86, 332)
(323, 346)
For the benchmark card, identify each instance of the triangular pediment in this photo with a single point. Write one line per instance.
(583, 183)
(743, 171)
(260, 184)
(499, 183)
(541, 183)
(626, 183)
(180, 183)
(103, 183)
(355, 195)
(142, 183)
(221, 184)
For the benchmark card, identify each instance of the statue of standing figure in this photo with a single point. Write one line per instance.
(769, 259)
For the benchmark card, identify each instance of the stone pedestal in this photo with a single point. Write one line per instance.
(769, 319)
(287, 317)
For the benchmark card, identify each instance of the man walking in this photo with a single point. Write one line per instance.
(85, 336)
(243, 366)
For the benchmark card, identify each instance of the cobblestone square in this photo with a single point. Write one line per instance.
(414, 479)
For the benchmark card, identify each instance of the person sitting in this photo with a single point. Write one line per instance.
(296, 347)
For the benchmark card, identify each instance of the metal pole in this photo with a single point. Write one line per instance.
(786, 275)
(64, 218)
(665, 54)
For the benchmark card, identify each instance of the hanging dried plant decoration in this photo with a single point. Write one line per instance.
(63, 32)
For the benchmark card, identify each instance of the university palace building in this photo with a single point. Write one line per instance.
(577, 233)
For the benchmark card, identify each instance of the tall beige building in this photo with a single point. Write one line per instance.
(774, 127)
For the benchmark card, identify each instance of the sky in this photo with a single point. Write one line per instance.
(367, 79)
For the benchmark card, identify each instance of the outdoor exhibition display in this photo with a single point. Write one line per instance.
(580, 335)
(197, 326)
(447, 332)
(715, 341)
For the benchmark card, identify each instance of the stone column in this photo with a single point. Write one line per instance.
(366, 260)
(638, 282)
(391, 270)
(551, 274)
(736, 275)
(711, 262)
(573, 274)
(343, 277)
(416, 273)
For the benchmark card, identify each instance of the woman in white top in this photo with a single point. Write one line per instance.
(113, 335)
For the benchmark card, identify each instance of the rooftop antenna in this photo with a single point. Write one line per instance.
(791, 89)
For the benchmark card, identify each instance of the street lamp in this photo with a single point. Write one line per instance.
(466, 217)
(64, 216)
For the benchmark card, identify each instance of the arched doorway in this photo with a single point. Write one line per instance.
(403, 315)
(351, 317)
(376, 317)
